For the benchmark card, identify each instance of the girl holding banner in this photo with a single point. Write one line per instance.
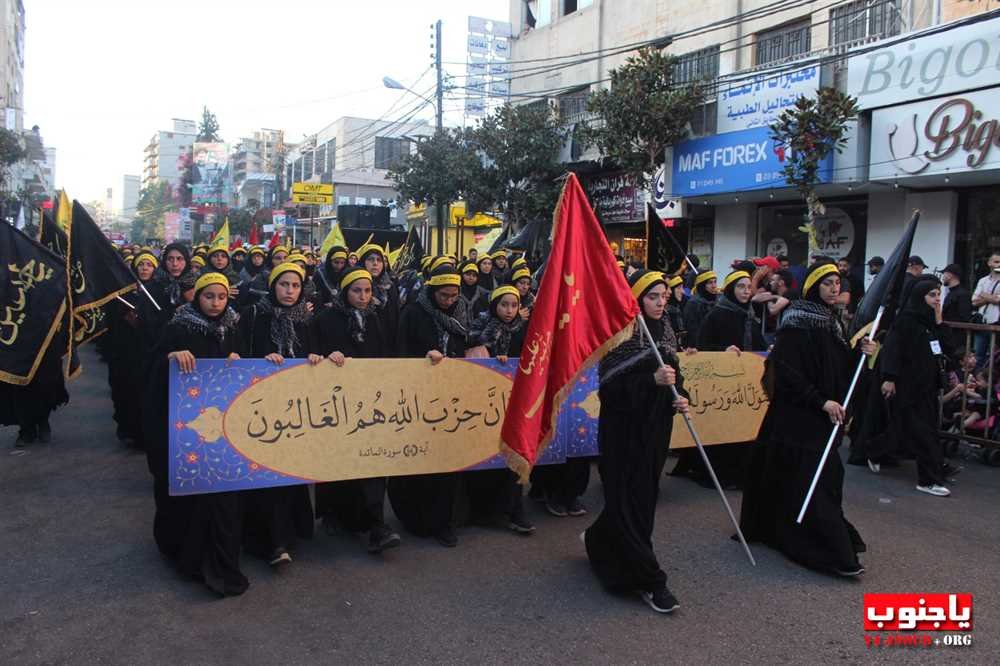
(351, 328)
(275, 329)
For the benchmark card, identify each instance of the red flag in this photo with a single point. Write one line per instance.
(275, 241)
(253, 234)
(583, 310)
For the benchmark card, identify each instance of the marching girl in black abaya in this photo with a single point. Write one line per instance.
(806, 376)
(706, 293)
(494, 495)
(636, 420)
(485, 267)
(253, 264)
(349, 329)
(385, 293)
(730, 326)
(327, 277)
(432, 327)
(676, 301)
(476, 299)
(277, 328)
(200, 534)
(258, 288)
(913, 364)
(128, 352)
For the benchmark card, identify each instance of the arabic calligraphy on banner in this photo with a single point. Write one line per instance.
(250, 424)
(757, 102)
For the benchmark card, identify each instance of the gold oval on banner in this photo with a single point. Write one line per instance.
(379, 417)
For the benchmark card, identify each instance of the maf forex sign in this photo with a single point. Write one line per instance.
(312, 193)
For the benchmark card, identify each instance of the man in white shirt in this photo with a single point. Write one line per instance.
(986, 298)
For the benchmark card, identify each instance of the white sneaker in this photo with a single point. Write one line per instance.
(936, 490)
(874, 466)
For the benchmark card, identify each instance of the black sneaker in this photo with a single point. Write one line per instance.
(279, 557)
(950, 470)
(44, 432)
(576, 508)
(556, 509)
(381, 538)
(446, 537)
(662, 601)
(520, 525)
(852, 572)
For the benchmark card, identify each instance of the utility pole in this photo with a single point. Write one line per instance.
(440, 126)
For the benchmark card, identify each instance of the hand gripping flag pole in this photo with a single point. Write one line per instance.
(697, 442)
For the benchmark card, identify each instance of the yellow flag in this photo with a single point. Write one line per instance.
(394, 255)
(370, 237)
(64, 214)
(335, 237)
(221, 240)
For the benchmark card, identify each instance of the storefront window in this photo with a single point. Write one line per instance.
(841, 232)
(634, 249)
(978, 231)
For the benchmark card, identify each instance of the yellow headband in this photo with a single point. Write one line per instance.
(353, 276)
(146, 256)
(209, 279)
(238, 250)
(257, 250)
(646, 281)
(445, 280)
(503, 291)
(705, 277)
(198, 260)
(674, 281)
(286, 267)
(339, 254)
(734, 277)
(370, 247)
(817, 275)
(279, 248)
(519, 274)
(296, 256)
(519, 262)
(470, 268)
(441, 261)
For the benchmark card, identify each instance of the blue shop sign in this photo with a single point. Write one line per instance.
(732, 162)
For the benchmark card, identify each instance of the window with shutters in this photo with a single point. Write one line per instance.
(863, 20)
(389, 151)
(783, 43)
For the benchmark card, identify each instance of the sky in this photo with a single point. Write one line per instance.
(101, 76)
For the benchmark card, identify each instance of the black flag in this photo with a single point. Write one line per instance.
(663, 251)
(98, 274)
(499, 243)
(525, 239)
(886, 289)
(32, 304)
(51, 236)
(413, 252)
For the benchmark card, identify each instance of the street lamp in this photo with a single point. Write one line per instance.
(393, 84)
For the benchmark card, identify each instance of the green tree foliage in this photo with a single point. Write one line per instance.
(643, 113)
(155, 201)
(12, 151)
(519, 147)
(439, 172)
(809, 133)
(208, 128)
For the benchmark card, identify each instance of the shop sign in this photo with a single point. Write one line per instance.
(757, 102)
(947, 61)
(937, 136)
(732, 162)
(834, 234)
(615, 197)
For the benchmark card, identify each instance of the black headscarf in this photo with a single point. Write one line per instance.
(168, 282)
(498, 333)
(812, 312)
(284, 317)
(729, 302)
(191, 317)
(916, 306)
(637, 349)
(452, 321)
(357, 320)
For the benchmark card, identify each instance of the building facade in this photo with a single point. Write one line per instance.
(723, 186)
(12, 28)
(161, 158)
(130, 196)
(255, 166)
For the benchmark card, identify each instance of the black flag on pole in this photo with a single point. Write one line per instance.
(887, 287)
(32, 304)
(413, 252)
(98, 274)
(663, 251)
(51, 236)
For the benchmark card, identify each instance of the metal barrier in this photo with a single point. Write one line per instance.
(989, 438)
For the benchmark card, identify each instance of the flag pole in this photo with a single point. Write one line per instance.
(697, 442)
(836, 426)
(125, 302)
(149, 296)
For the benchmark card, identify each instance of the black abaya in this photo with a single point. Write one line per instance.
(634, 436)
(201, 534)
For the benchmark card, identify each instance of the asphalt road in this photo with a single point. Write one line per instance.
(82, 582)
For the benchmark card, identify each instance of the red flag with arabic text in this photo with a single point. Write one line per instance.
(584, 308)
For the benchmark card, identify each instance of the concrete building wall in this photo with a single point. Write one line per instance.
(12, 36)
(130, 196)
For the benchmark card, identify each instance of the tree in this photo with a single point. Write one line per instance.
(807, 134)
(12, 151)
(155, 201)
(439, 172)
(208, 128)
(643, 113)
(519, 147)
